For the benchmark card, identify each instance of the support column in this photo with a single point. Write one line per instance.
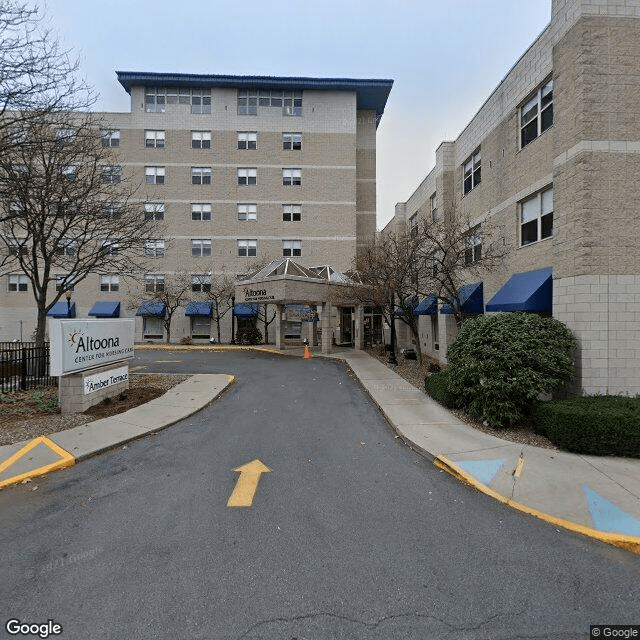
(327, 333)
(279, 327)
(358, 339)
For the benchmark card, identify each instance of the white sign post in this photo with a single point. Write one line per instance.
(83, 355)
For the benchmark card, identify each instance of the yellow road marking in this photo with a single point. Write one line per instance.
(66, 460)
(247, 484)
(518, 469)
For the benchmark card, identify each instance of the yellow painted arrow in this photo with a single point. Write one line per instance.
(247, 484)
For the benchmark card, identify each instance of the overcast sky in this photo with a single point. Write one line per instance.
(444, 56)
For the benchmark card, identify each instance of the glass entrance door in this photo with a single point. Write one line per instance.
(346, 325)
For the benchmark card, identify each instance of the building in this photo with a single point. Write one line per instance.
(238, 171)
(549, 164)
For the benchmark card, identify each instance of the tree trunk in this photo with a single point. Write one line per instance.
(41, 327)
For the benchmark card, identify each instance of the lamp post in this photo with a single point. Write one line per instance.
(392, 353)
(233, 320)
(68, 297)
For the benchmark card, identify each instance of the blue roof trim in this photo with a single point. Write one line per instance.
(470, 299)
(151, 308)
(242, 310)
(528, 291)
(371, 93)
(105, 309)
(198, 309)
(428, 307)
(61, 310)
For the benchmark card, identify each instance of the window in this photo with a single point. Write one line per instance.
(154, 248)
(16, 246)
(155, 99)
(247, 140)
(201, 101)
(413, 224)
(152, 327)
(18, 282)
(65, 135)
(154, 282)
(63, 283)
(68, 171)
(247, 212)
(247, 176)
(154, 139)
(434, 209)
(289, 101)
(200, 248)
(66, 248)
(536, 114)
(292, 103)
(200, 175)
(111, 174)
(248, 103)
(291, 177)
(201, 282)
(111, 210)
(247, 248)
(200, 327)
(154, 210)
(154, 175)
(19, 134)
(201, 139)
(110, 137)
(200, 211)
(292, 141)
(291, 212)
(536, 217)
(472, 175)
(109, 283)
(291, 248)
(110, 247)
(473, 246)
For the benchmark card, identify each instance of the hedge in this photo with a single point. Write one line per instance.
(594, 425)
(437, 386)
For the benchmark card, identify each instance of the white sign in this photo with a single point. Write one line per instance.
(100, 381)
(82, 344)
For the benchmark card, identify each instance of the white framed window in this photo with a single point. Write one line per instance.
(433, 207)
(110, 247)
(154, 175)
(291, 248)
(67, 248)
(291, 212)
(110, 283)
(18, 282)
(111, 210)
(536, 217)
(200, 175)
(247, 175)
(201, 101)
(201, 139)
(154, 248)
(473, 246)
(292, 103)
(155, 99)
(200, 247)
(154, 210)
(154, 282)
(152, 327)
(536, 114)
(110, 138)
(472, 172)
(201, 282)
(413, 224)
(200, 327)
(292, 141)
(66, 134)
(247, 211)
(291, 177)
(247, 139)
(154, 138)
(248, 103)
(247, 248)
(200, 211)
(17, 246)
(19, 134)
(111, 174)
(69, 171)
(63, 282)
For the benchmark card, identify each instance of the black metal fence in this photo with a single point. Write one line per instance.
(24, 366)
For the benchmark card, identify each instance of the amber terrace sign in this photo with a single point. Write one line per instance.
(77, 345)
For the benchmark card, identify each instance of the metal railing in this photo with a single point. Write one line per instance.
(24, 366)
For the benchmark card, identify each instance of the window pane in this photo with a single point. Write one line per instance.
(547, 226)
(547, 118)
(530, 132)
(530, 209)
(529, 232)
(547, 201)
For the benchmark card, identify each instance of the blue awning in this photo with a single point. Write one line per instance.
(428, 307)
(150, 308)
(105, 309)
(198, 309)
(469, 298)
(242, 310)
(529, 291)
(61, 310)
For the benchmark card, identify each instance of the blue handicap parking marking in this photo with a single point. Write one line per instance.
(607, 517)
(483, 470)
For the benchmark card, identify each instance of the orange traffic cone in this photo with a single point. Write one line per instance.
(307, 353)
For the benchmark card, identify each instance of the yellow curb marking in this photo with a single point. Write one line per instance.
(630, 543)
(66, 460)
(518, 469)
(247, 484)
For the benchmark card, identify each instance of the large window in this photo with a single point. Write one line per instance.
(247, 212)
(291, 248)
(201, 139)
(201, 211)
(473, 246)
(64, 282)
(154, 138)
(157, 98)
(289, 101)
(292, 141)
(153, 327)
(201, 282)
(109, 283)
(200, 248)
(536, 217)
(110, 247)
(154, 210)
(154, 175)
(111, 174)
(472, 172)
(200, 175)
(291, 177)
(201, 101)
(247, 176)
(154, 282)
(247, 139)
(110, 137)
(536, 114)
(18, 282)
(154, 248)
(291, 212)
(247, 248)
(67, 248)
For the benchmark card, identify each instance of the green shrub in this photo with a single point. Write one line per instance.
(498, 365)
(437, 386)
(595, 425)
(249, 335)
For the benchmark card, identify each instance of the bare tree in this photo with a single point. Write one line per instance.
(219, 293)
(266, 318)
(69, 209)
